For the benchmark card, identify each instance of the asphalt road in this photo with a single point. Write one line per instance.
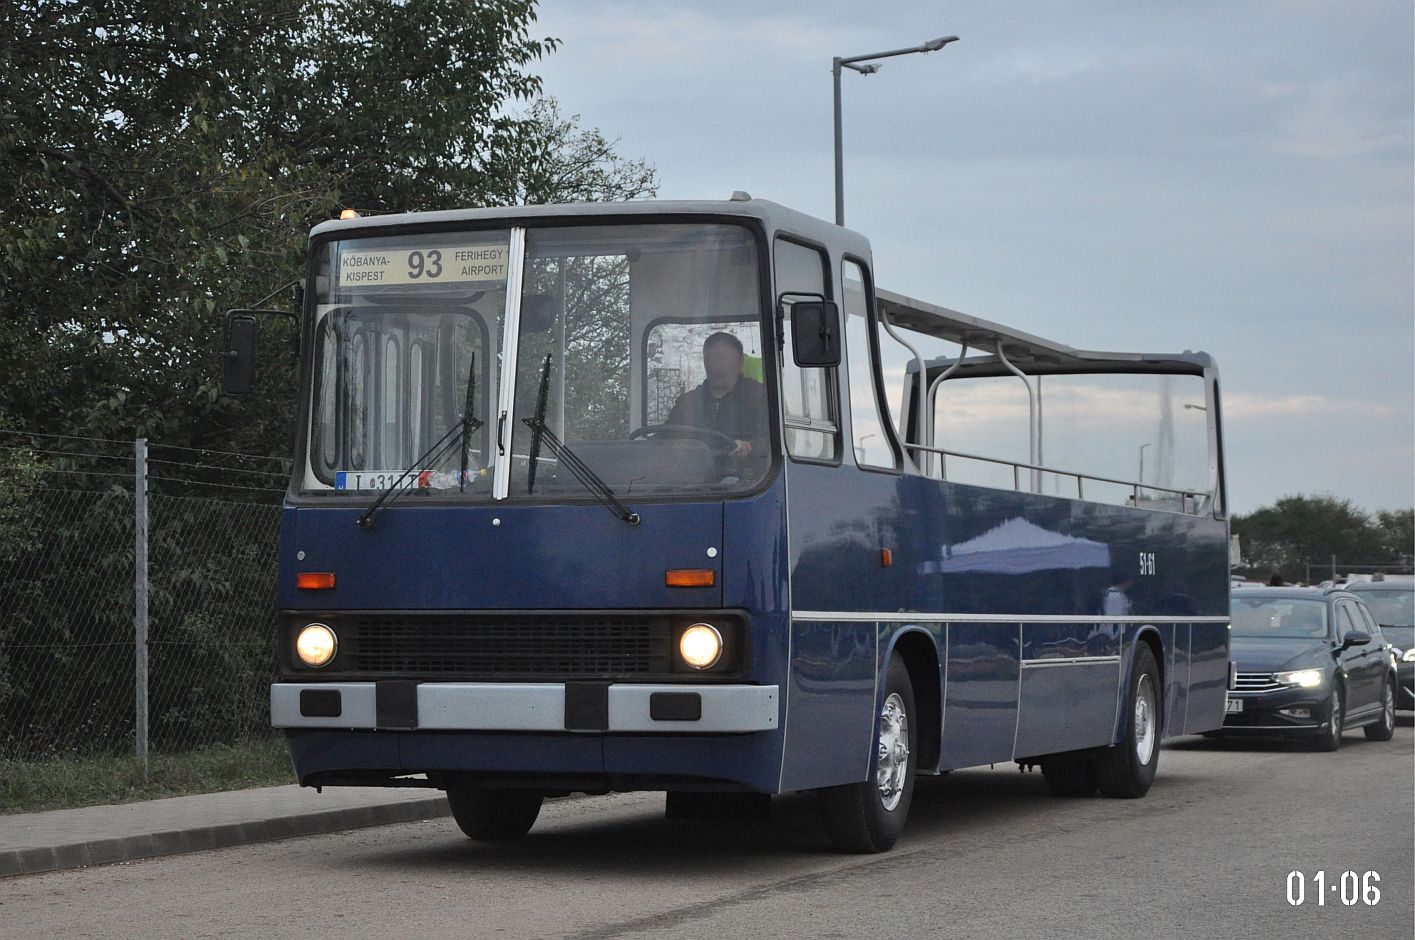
(987, 853)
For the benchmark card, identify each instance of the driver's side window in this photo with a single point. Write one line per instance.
(807, 395)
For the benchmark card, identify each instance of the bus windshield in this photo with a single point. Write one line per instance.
(636, 347)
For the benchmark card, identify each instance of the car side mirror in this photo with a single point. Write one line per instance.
(815, 333)
(1355, 638)
(238, 356)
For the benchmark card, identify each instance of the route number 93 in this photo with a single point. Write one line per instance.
(1349, 886)
(424, 264)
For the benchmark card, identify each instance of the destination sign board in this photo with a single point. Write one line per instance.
(407, 266)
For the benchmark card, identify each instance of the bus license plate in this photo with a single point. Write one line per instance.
(1234, 706)
(371, 480)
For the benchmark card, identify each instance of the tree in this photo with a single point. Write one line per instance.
(1297, 530)
(1397, 531)
(162, 160)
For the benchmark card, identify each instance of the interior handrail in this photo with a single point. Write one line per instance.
(1018, 466)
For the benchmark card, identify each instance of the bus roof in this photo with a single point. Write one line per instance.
(1033, 354)
(773, 216)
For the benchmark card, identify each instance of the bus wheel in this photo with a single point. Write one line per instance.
(1070, 774)
(1127, 769)
(869, 816)
(493, 815)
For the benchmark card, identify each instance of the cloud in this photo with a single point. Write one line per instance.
(1247, 406)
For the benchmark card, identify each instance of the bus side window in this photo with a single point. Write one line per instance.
(867, 435)
(807, 395)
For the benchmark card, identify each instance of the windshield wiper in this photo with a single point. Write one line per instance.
(460, 433)
(591, 481)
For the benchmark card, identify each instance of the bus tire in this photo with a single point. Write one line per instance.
(493, 815)
(868, 817)
(1070, 774)
(1127, 769)
(1384, 728)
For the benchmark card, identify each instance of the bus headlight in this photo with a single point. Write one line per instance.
(1302, 678)
(700, 646)
(316, 644)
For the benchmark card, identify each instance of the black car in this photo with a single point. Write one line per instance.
(1310, 663)
(1393, 604)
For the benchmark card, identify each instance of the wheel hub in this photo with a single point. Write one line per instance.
(893, 762)
(1145, 724)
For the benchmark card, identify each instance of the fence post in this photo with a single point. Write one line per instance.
(140, 595)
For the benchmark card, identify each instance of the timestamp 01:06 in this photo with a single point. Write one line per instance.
(1347, 887)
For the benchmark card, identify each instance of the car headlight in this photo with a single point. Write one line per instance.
(316, 644)
(1408, 656)
(700, 646)
(1302, 678)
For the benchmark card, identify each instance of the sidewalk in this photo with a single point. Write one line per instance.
(98, 835)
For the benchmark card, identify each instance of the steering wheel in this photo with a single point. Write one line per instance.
(716, 441)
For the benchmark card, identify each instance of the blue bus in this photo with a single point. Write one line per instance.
(669, 496)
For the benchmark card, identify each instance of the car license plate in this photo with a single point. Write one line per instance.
(1234, 706)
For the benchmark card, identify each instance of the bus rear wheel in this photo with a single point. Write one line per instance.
(493, 815)
(1127, 769)
(1070, 774)
(868, 817)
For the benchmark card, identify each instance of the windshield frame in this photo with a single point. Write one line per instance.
(297, 494)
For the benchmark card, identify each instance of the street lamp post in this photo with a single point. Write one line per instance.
(855, 63)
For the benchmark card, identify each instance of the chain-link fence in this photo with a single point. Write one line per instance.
(73, 647)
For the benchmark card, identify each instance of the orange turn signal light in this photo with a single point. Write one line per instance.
(315, 580)
(886, 558)
(690, 577)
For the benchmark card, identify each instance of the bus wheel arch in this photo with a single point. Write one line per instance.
(920, 654)
(1151, 637)
(868, 816)
(1127, 769)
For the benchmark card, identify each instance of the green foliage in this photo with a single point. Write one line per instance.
(161, 161)
(86, 781)
(1299, 529)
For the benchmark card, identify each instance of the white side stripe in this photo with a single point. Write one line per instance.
(904, 616)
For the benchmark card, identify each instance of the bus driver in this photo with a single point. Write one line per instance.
(727, 402)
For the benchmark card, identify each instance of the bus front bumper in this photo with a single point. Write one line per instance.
(525, 706)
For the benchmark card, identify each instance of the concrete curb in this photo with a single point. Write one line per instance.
(104, 851)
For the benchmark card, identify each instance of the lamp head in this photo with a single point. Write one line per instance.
(933, 45)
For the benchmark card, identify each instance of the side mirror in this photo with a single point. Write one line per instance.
(1355, 638)
(238, 358)
(815, 333)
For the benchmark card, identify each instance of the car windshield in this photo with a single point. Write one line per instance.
(639, 348)
(1393, 608)
(1289, 618)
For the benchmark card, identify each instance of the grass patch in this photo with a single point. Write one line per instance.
(27, 787)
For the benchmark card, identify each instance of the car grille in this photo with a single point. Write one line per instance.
(1256, 682)
(508, 645)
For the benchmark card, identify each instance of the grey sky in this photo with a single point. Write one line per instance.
(1237, 177)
